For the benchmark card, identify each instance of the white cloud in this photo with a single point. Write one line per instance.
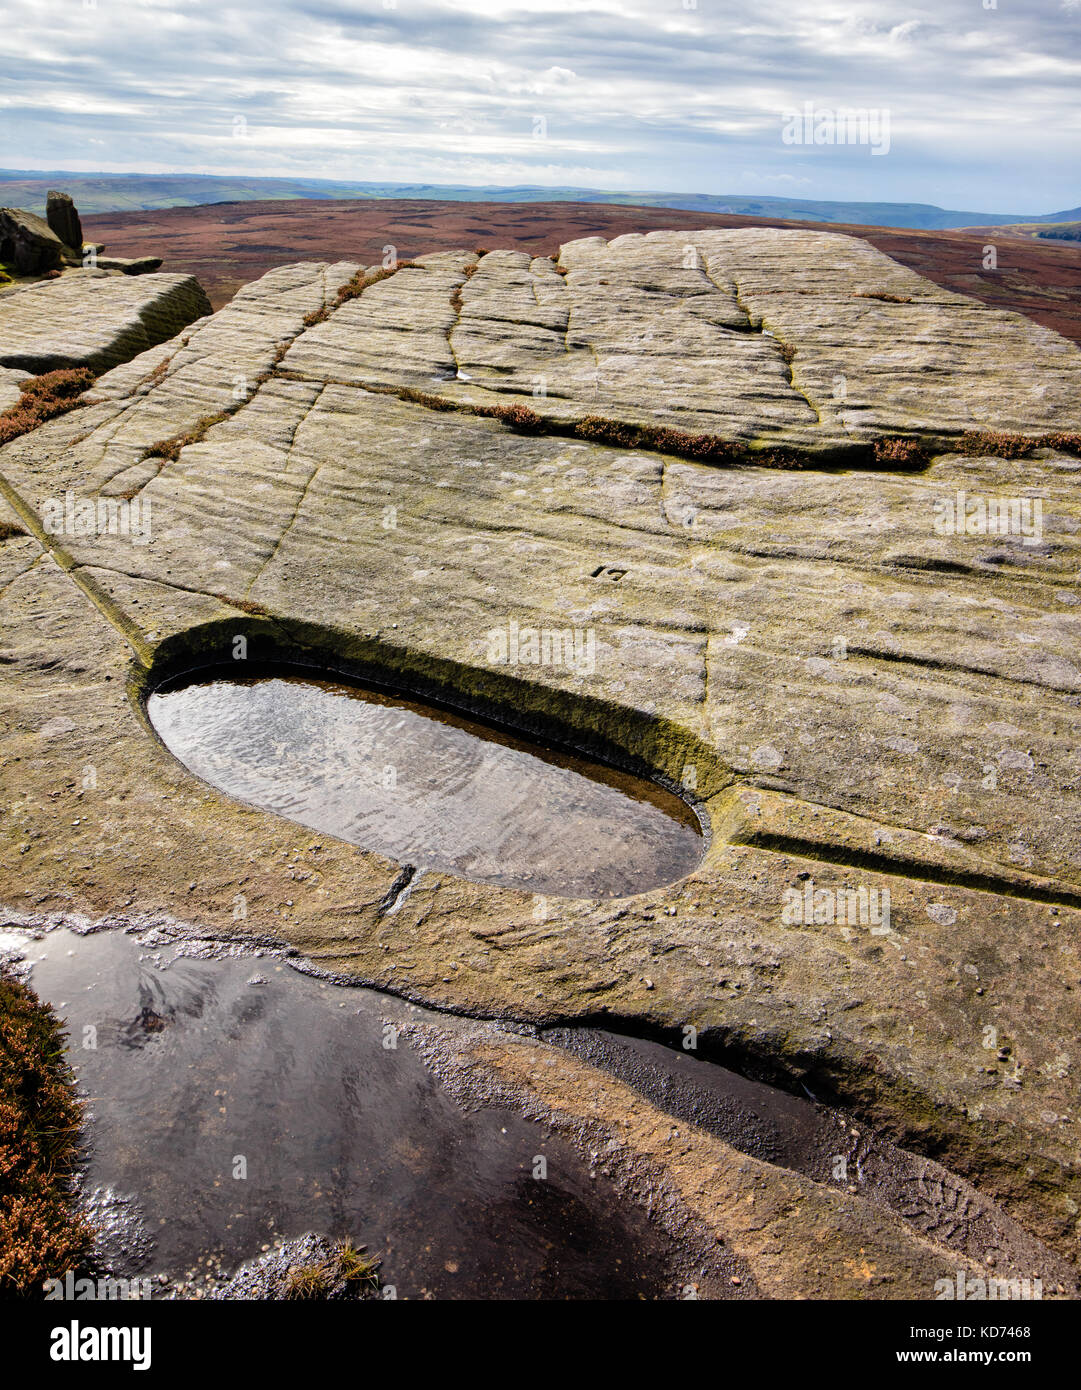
(650, 94)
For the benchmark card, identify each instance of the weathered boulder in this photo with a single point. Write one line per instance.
(92, 319)
(860, 698)
(62, 217)
(27, 243)
(138, 265)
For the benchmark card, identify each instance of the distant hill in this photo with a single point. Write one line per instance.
(95, 193)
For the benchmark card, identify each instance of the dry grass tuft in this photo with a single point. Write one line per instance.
(356, 1266)
(158, 374)
(975, 444)
(518, 417)
(309, 1281)
(363, 281)
(415, 397)
(352, 289)
(318, 1279)
(1003, 445)
(246, 605)
(1069, 441)
(620, 435)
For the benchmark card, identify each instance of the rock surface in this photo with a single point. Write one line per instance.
(800, 339)
(138, 265)
(91, 319)
(857, 700)
(229, 247)
(9, 386)
(782, 1234)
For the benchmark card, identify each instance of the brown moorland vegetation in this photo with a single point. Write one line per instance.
(44, 396)
(40, 1236)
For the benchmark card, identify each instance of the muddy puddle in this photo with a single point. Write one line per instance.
(426, 787)
(235, 1101)
(822, 1142)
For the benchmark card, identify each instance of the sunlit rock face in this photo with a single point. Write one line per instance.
(89, 318)
(867, 684)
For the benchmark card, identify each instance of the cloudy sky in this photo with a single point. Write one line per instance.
(983, 96)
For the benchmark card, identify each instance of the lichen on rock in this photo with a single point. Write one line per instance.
(858, 696)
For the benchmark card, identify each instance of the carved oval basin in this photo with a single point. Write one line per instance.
(426, 787)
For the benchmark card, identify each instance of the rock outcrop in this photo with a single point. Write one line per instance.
(62, 217)
(861, 695)
(34, 247)
(133, 265)
(91, 319)
(804, 340)
(28, 244)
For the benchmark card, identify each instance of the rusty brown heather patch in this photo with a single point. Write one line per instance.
(901, 453)
(40, 1235)
(618, 434)
(904, 452)
(1015, 446)
(43, 397)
